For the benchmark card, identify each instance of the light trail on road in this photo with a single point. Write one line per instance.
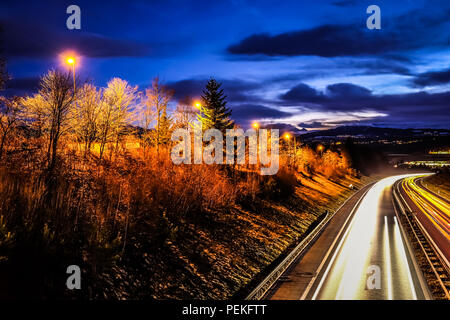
(432, 212)
(435, 209)
(372, 241)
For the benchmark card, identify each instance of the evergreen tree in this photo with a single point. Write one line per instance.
(165, 128)
(214, 113)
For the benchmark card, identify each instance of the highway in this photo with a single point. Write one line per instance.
(432, 211)
(368, 258)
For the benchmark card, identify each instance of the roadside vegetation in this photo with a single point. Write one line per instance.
(86, 178)
(439, 183)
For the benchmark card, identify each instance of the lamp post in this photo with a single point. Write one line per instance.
(71, 62)
(199, 107)
(287, 137)
(320, 147)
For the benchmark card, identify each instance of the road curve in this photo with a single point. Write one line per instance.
(369, 258)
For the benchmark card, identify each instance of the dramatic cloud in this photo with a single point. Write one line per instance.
(346, 98)
(29, 84)
(381, 65)
(338, 96)
(350, 95)
(22, 86)
(432, 78)
(347, 90)
(283, 127)
(28, 40)
(309, 125)
(246, 113)
(303, 93)
(411, 31)
(235, 90)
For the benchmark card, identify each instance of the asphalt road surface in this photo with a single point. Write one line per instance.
(361, 255)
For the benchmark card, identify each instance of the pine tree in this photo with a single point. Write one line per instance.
(165, 128)
(215, 114)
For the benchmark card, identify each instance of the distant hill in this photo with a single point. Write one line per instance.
(368, 131)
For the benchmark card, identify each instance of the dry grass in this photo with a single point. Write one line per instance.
(142, 227)
(439, 183)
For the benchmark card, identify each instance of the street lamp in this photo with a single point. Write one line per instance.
(198, 105)
(255, 125)
(287, 137)
(71, 62)
(320, 148)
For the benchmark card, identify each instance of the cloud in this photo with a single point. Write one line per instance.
(244, 105)
(347, 98)
(245, 113)
(432, 78)
(338, 96)
(408, 32)
(236, 90)
(35, 41)
(303, 93)
(311, 125)
(347, 90)
(283, 127)
(380, 65)
(28, 83)
(22, 86)
(344, 3)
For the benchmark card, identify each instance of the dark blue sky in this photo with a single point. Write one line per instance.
(311, 64)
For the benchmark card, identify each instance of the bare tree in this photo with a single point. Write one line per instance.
(84, 119)
(10, 112)
(185, 114)
(158, 97)
(118, 98)
(145, 116)
(51, 107)
(35, 110)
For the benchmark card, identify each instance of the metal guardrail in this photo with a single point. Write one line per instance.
(265, 285)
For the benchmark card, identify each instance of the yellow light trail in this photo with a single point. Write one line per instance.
(435, 209)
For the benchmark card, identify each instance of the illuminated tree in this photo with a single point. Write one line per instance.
(158, 97)
(35, 110)
(85, 115)
(185, 114)
(145, 117)
(10, 112)
(214, 113)
(117, 100)
(51, 108)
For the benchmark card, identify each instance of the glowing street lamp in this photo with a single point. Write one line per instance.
(287, 137)
(71, 62)
(320, 148)
(198, 105)
(255, 125)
